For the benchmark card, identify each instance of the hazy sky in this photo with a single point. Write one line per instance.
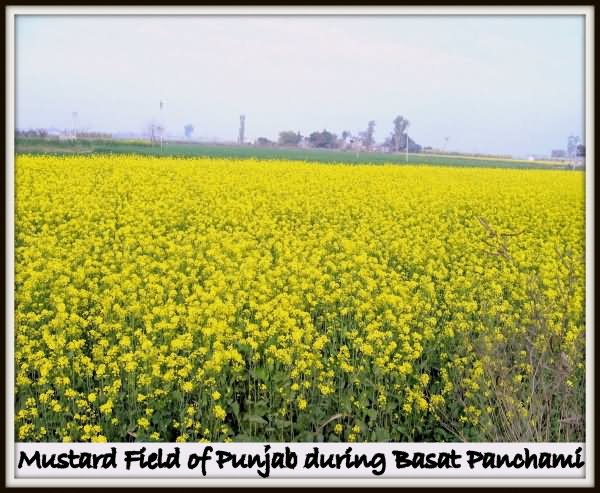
(505, 84)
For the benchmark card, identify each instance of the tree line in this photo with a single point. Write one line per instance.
(396, 141)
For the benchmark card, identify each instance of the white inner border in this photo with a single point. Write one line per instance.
(12, 11)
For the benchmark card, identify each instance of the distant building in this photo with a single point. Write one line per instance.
(304, 143)
(412, 145)
(559, 153)
(67, 135)
(385, 147)
(54, 132)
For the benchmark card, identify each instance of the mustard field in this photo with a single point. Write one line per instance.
(182, 299)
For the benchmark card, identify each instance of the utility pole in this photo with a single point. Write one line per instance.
(74, 115)
(161, 124)
(242, 129)
(407, 146)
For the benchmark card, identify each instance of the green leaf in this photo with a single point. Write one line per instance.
(362, 425)
(282, 423)
(381, 435)
(260, 373)
(306, 436)
(260, 407)
(243, 438)
(253, 418)
(347, 406)
(235, 408)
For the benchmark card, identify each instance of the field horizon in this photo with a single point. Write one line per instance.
(85, 146)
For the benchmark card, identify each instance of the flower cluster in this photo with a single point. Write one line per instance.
(214, 300)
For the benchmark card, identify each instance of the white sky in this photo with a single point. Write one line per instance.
(502, 84)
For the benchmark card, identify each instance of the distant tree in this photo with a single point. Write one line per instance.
(346, 140)
(34, 132)
(188, 130)
(263, 141)
(400, 126)
(572, 144)
(367, 135)
(324, 139)
(580, 150)
(289, 138)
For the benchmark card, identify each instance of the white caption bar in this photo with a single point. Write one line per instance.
(300, 460)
